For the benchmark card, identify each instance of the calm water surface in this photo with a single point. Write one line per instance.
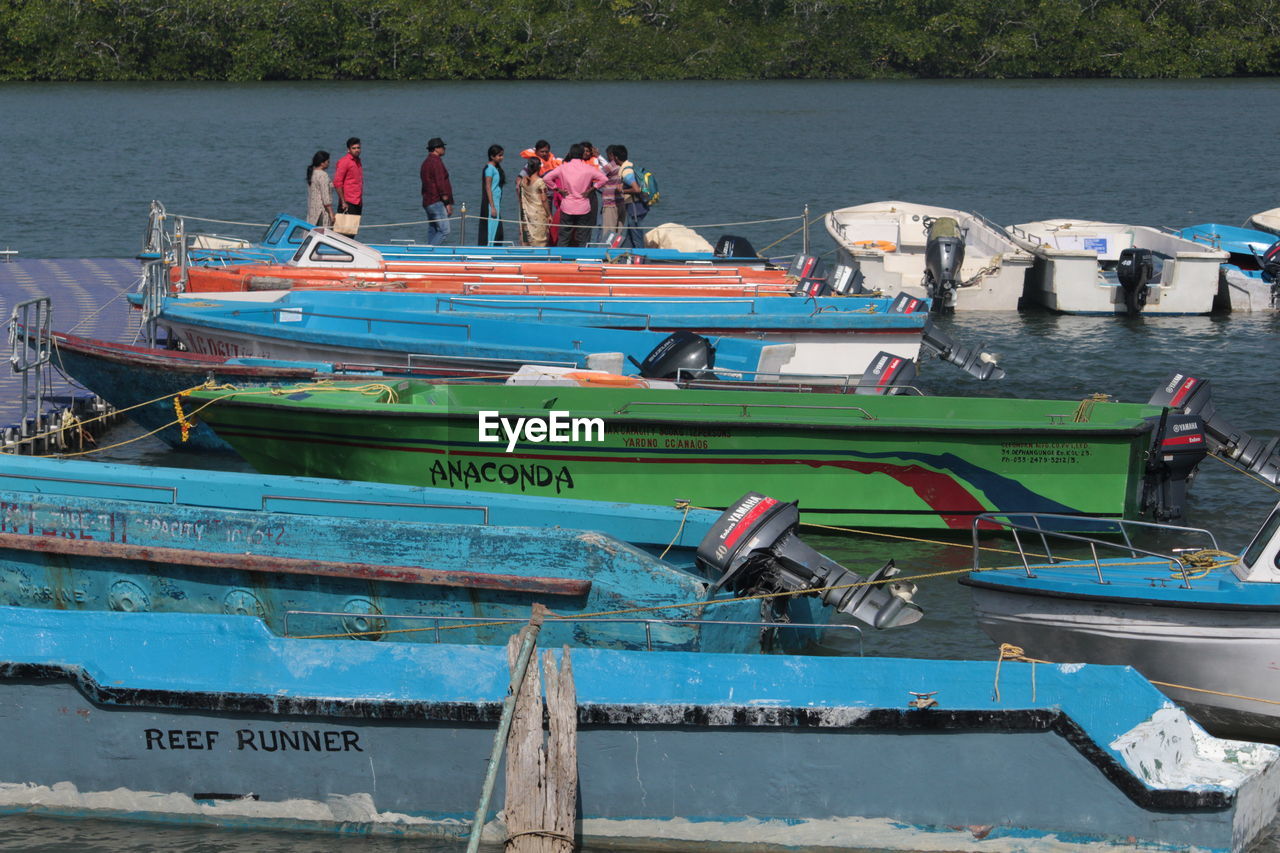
(88, 158)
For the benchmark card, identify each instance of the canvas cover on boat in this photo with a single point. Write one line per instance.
(682, 238)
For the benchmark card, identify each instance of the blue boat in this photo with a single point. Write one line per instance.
(1198, 621)
(210, 719)
(321, 557)
(1245, 285)
(305, 326)
(286, 233)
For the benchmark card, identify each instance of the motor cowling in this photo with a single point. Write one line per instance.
(1191, 395)
(888, 374)
(754, 548)
(681, 355)
(1178, 445)
(1269, 263)
(943, 257)
(847, 279)
(731, 246)
(810, 275)
(1134, 271)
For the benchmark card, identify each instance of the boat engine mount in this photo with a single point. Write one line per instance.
(943, 257)
(1190, 395)
(755, 549)
(888, 374)
(681, 355)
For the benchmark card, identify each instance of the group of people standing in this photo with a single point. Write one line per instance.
(347, 183)
(561, 202)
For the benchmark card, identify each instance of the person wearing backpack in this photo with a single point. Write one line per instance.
(633, 194)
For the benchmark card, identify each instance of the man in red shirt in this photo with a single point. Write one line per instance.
(348, 179)
(437, 192)
(573, 181)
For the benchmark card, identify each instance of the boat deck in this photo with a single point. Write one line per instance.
(86, 297)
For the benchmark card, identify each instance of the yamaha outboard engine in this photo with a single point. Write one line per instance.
(810, 275)
(755, 549)
(729, 246)
(974, 361)
(943, 257)
(681, 355)
(847, 279)
(1176, 450)
(1191, 395)
(1134, 271)
(1269, 263)
(888, 374)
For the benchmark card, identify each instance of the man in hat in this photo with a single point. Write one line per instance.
(437, 192)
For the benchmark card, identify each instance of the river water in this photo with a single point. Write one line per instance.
(86, 160)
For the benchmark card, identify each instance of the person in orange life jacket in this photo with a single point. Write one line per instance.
(632, 196)
(542, 150)
(348, 179)
(575, 179)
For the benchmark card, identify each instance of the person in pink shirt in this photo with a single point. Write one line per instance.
(348, 179)
(574, 180)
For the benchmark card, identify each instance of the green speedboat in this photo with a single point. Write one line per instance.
(894, 461)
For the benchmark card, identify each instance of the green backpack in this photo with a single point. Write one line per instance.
(649, 192)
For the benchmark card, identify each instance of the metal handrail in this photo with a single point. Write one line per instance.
(488, 621)
(1122, 525)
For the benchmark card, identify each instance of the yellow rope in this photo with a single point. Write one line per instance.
(680, 504)
(1008, 651)
(1248, 474)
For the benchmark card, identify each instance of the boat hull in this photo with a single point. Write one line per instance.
(1068, 275)
(153, 720)
(886, 241)
(657, 448)
(1229, 651)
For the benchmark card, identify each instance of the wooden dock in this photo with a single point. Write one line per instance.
(87, 297)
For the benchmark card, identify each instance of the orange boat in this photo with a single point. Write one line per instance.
(328, 261)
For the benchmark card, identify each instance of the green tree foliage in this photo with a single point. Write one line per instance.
(247, 40)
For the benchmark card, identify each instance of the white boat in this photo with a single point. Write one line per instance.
(1087, 267)
(1267, 220)
(897, 245)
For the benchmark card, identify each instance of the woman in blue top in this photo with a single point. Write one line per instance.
(492, 180)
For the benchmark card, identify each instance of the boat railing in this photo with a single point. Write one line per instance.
(626, 407)
(997, 229)
(1042, 526)
(1022, 234)
(833, 383)
(440, 624)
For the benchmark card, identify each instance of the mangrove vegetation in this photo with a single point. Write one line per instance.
(243, 40)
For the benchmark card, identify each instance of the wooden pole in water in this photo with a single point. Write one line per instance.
(542, 782)
(528, 638)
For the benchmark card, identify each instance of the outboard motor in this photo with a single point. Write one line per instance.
(1134, 271)
(1191, 395)
(810, 275)
(847, 279)
(1177, 448)
(1269, 263)
(943, 257)
(975, 362)
(681, 355)
(888, 374)
(755, 549)
(730, 246)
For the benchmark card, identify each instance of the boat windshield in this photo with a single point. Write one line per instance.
(1259, 543)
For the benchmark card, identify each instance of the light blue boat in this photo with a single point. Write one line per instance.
(306, 326)
(210, 719)
(286, 233)
(328, 558)
(1163, 599)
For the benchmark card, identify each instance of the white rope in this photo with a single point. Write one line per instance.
(218, 221)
